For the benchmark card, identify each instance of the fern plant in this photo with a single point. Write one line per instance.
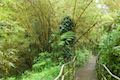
(65, 39)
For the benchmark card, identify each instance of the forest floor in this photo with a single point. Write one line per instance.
(88, 71)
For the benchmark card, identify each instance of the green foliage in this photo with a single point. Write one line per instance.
(26, 27)
(82, 57)
(12, 40)
(110, 52)
(47, 74)
(82, 17)
(67, 38)
(43, 69)
(64, 39)
(66, 25)
(37, 20)
(60, 41)
(43, 61)
(11, 32)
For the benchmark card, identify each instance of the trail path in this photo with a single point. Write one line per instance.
(88, 71)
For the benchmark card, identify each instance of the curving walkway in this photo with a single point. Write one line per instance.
(88, 71)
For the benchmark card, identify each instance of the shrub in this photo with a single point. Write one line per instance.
(82, 57)
(110, 52)
(12, 41)
(36, 17)
(64, 39)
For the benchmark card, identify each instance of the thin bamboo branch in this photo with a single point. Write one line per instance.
(83, 12)
(85, 32)
(74, 9)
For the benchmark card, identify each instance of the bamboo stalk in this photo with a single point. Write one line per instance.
(83, 12)
(74, 9)
(85, 33)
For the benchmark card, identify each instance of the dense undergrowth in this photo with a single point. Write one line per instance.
(110, 50)
(45, 69)
(27, 29)
(37, 37)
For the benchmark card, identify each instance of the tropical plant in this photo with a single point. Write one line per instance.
(82, 55)
(110, 52)
(36, 17)
(65, 39)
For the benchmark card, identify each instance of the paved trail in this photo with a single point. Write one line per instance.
(88, 71)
